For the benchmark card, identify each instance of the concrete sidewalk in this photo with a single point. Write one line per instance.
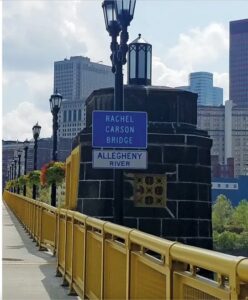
(27, 272)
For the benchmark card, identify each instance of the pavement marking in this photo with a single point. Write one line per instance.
(12, 259)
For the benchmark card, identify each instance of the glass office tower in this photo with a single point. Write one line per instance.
(238, 62)
(201, 83)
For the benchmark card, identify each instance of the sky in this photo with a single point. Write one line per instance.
(187, 36)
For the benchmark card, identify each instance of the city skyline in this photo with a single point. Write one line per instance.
(195, 43)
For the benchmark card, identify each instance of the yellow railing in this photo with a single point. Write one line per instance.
(101, 260)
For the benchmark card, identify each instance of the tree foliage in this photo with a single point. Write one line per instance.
(222, 213)
(240, 215)
(230, 226)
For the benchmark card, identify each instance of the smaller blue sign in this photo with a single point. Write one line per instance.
(119, 129)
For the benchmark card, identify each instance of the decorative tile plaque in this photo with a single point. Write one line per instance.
(150, 190)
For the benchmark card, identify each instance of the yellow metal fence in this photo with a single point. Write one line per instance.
(101, 260)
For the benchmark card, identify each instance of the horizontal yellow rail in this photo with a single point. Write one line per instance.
(102, 260)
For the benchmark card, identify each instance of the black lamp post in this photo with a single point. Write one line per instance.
(55, 104)
(26, 144)
(36, 133)
(118, 14)
(14, 173)
(19, 154)
(12, 170)
(8, 172)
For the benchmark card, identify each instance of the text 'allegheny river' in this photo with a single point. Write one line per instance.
(120, 159)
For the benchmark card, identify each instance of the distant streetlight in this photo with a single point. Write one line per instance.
(14, 173)
(19, 154)
(8, 172)
(55, 105)
(25, 144)
(36, 133)
(118, 14)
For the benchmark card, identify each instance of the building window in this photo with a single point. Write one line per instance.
(74, 115)
(64, 116)
(69, 117)
(79, 115)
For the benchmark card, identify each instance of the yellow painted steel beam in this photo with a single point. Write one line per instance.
(103, 260)
(207, 259)
(242, 270)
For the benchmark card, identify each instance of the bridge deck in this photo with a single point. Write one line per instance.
(27, 273)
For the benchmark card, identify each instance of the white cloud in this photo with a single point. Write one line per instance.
(222, 80)
(30, 86)
(163, 75)
(199, 47)
(197, 50)
(18, 123)
(37, 33)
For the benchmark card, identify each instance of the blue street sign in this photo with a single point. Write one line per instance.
(119, 129)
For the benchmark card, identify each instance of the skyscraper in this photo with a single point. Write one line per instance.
(238, 62)
(201, 83)
(76, 78)
(228, 127)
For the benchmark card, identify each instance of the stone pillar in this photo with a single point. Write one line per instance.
(175, 199)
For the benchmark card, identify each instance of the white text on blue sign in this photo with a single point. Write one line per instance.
(119, 129)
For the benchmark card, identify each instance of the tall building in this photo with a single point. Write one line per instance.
(71, 118)
(76, 78)
(238, 62)
(228, 127)
(201, 83)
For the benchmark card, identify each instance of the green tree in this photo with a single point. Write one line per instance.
(222, 213)
(226, 241)
(240, 215)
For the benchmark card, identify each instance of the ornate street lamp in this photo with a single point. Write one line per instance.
(118, 14)
(8, 172)
(55, 104)
(9, 169)
(14, 172)
(25, 144)
(19, 154)
(36, 133)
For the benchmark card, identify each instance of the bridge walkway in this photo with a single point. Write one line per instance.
(27, 272)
